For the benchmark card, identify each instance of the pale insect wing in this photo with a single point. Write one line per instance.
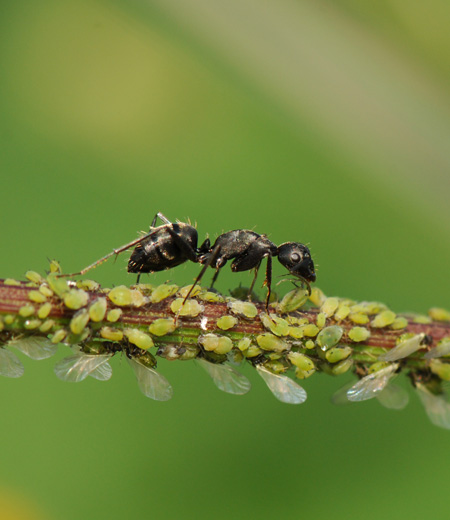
(440, 350)
(369, 386)
(34, 347)
(437, 408)
(393, 397)
(76, 368)
(102, 372)
(151, 383)
(283, 388)
(226, 378)
(340, 396)
(10, 365)
(404, 349)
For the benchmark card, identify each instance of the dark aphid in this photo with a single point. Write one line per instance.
(163, 247)
(248, 249)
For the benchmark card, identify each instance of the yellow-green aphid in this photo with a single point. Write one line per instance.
(111, 334)
(244, 344)
(301, 361)
(139, 338)
(245, 309)
(383, 319)
(276, 325)
(342, 367)
(317, 297)
(271, 343)
(310, 330)
(209, 296)
(359, 318)
(252, 351)
(275, 367)
(2, 325)
(58, 285)
(46, 326)
(162, 292)
(75, 299)
(11, 281)
(369, 307)
(227, 322)
(441, 369)
(235, 357)
(214, 343)
(184, 291)
(439, 314)
(88, 285)
(58, 336)
(342, 312)
(303, 374)
(296, 332)
(79, 321)
(36, 296)
(321, 320)
(32, 324)
(9, 319)
(358, 334)
(406, 345)
(329, 337)
(121, 296)
(422, 319)
(329, 306)
(34, 277)
(114, 314)
(44, 310)
(376, 367)
(336, 354)
(162, 326)
(191, 308)
(293, 300)
(55, 267)
(45, 290)
(137, 298)
(399, 323)
(97, 309)
(26, 310)
(309, 344)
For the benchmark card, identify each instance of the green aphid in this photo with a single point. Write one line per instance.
(55, 267)
(399, 323)
(275, 367)
(26, 311)
(32, 324)
(272, 343)
(75, 299)
(211, 297)
(190, 308)
(44, 310)
(383, 319)
(227, 322)
(329, 337)
(302, 374)
(9, 319)
(276, 325)
(244, 309)
(79, 321)
(46, 291)
(422, 319)
(162, 326)
(369, 307)
(121, 296)
(47, 326)
(310, 330)
(438, 314)
(11, 281)
(377, 366)
(162, 292)
(214, 343)
(111, 334)
(244, 344)
(184, 291)
(309, 344)
(296, 332)
(34, 277)
(36, 297)
(137, 298)
(329, 306)
(321, 320)
(359, 318)
(58, 285)
(139, 338)
(97, 309)
(235, 357)
(252, 351)
(293, 300)
(2, 325)
(342, 312)
(358, 334)
(336, 354)
(317, 297)
(113, 315)
(301, 361)
(342, 367)
(88, 285)
(441, 369)
(58, 336)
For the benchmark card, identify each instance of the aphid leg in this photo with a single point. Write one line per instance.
(268, 281)
(249, 295)
(211, 259)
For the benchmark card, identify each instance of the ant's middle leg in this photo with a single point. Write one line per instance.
(249, 294)
(211, 259)
(268, 280)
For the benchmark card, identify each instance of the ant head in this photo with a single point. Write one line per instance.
(297, 260)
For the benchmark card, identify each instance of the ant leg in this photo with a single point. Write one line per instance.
(268, 281)
(249, 295)
(211, 259)
(185, 247)
(162, 218)
(138, 278)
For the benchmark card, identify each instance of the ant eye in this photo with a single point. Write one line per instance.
(295, 257)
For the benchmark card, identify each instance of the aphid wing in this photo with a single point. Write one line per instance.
(404, 349)
(340, 396)
(283, 388)
(369, 386)
(76, 368)
(393, 397)
(10, 365)
(35, 347)
(102, 372)
(438, 410)
(440, 350)
(151, 383)
(226, 378)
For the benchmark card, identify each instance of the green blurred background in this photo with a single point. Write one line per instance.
(323, 122)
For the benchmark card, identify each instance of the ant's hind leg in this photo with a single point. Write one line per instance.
(249, 294)
(268, 281)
